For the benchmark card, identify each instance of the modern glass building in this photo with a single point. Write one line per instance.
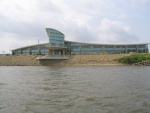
(58, 46)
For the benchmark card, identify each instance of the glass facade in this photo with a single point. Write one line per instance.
(36, 49)
(82, 48)
(56, 39)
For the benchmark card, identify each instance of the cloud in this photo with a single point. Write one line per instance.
(113, 31)
(108, 31)
(22, 22)
(141, 3)
(12, 40)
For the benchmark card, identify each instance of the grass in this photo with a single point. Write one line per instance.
(134, 58)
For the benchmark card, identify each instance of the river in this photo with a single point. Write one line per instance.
(82, 89)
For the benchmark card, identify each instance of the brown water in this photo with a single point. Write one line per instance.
(101, 89)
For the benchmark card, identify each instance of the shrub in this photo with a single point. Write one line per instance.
(135, 58)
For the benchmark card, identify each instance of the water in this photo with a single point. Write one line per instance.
(89, 89)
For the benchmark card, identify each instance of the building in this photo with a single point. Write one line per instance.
(58, 46)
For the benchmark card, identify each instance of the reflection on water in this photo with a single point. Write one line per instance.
(101, 89)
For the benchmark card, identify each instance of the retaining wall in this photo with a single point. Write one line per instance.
(73, 60)
(19, 60)
(94, 59)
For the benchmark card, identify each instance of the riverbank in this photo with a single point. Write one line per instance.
(73, 60)
(136, 59)
(19, 60)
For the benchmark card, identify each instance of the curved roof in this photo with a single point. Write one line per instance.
(42, 44)
(105, 44)
(80, 43)
(53, 30)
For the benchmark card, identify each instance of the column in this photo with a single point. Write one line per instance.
(137, 49)
(29, 51)
(21, 51)
(126, 49)
(80, 49)
(50, 52)
(103, 49)
(13, 52)
(39, 51)
(63, 53)
(114, 49)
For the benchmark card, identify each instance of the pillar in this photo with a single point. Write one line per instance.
(21, 51)
(29, 51)
(103, 49)
(39, 51)
(114, 49)
(126, 49)
(13, 52)
(137, 49)
(63, 52)
(80, 49)
(50, 52)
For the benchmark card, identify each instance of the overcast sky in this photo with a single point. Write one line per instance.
(23, 22)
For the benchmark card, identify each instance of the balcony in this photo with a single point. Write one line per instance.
(53, 57)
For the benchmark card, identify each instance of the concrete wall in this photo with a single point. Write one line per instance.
(149, 48)
(74, 60)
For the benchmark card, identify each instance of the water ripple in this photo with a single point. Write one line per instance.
(89, 89)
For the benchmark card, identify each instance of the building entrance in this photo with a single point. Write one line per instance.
(57, 52)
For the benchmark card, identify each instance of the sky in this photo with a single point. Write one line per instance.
(23, 22)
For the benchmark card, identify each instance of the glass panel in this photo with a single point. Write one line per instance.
(120, 49)
(56, 38)
(131, 48)
(109, 49)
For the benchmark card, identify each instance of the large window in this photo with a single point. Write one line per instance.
(56, 38)
(25, 51)
(131, 48)
(109, 49)
(75, 48)
(120, 49)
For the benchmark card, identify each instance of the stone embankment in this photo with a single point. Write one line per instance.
(143, 63)
(73, 60)
(19, 60)
(94, 59)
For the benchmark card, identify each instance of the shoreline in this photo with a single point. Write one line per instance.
(75, 65)
(73, 60)
(68, 65)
